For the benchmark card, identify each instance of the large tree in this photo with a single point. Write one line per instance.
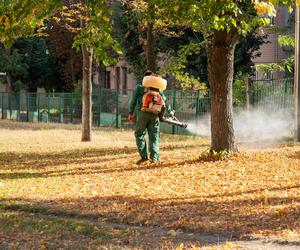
(30, 65)
(222, 23)
(59, 41)
(20, 18)
(184, 61)
(90, 22)
(146, 15)
(139, 25)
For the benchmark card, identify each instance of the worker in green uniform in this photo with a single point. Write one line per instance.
(145, 121)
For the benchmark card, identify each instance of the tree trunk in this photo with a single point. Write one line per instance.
(249, 93)
(220, 74)
(150, 48)
(297, 75)
(87, 59)
(8, 75)
(73, 76)
(9, 82)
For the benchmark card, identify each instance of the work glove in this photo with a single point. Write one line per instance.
(131, 117)
(171, 113)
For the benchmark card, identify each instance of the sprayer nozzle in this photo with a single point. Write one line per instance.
(174, 122)
(184, 125)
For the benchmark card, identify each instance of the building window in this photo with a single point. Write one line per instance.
(288, 16)
(267, 75)
(107, 79)
(118, 76)
(124, 83)
(255, 76)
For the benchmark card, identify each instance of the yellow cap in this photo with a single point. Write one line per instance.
(155, 82)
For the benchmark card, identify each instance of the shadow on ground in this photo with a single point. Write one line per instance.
(17, 160)
(230, 215)
(211, 215)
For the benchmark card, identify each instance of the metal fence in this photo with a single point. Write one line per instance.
(273, 95)
(110, 106)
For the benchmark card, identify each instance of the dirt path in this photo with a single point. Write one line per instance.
(152, 237)
(147, 237)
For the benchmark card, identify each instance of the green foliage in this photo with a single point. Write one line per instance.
(12, 61)
(41, 66)
(288, 44)
(78, 88)
(208, 16)
(18, 86)
(190, 60)
(95, 31)
(286, 40)
(286, 65)
(185, 60)
(239, 90)
(30, 65)
(175, 66)
(19, 18)
(125, 30)
(270, 67)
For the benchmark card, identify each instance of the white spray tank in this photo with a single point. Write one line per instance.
(155, 82)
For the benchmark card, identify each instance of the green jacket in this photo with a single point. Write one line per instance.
(135, 103)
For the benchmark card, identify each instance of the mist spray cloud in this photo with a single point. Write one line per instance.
(252, 126)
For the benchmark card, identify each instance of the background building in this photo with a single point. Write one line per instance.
(271, 51)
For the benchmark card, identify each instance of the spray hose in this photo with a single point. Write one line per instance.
(174, 121)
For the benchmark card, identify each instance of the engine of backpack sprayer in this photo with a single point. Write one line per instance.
(160, 84)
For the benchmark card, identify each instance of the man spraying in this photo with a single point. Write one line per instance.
(146, 106)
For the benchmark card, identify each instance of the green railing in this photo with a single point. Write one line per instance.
(110, 107)
(273, 95)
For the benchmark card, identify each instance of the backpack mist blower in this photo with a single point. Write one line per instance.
(174, 121)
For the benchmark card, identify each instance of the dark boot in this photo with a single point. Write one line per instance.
(140, 161)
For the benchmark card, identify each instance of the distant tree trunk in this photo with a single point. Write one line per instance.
(8, 75)
(249, 93)
(9, 82)
(73, 76)
(220, 75)
(87, 59)
(150, 48)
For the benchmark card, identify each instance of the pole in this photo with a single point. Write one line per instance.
(60, 113)
(174, 106)
(9, 104)
(27, 108)
(72, 106)
(197, 102)
(19, 106)
(2, 103)
(38, 107)
(249, 93)
(48, 107)
(117, 109)
(99, 106)
(297, 72)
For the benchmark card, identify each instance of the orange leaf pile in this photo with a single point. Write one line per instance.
(254, 192)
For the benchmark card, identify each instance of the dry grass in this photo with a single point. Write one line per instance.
(254, 192)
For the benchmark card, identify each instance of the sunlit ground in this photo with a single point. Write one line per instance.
(49, 179)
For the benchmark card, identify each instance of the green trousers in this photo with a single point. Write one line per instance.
(147, 122)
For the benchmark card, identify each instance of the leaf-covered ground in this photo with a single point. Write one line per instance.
(57, 191)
